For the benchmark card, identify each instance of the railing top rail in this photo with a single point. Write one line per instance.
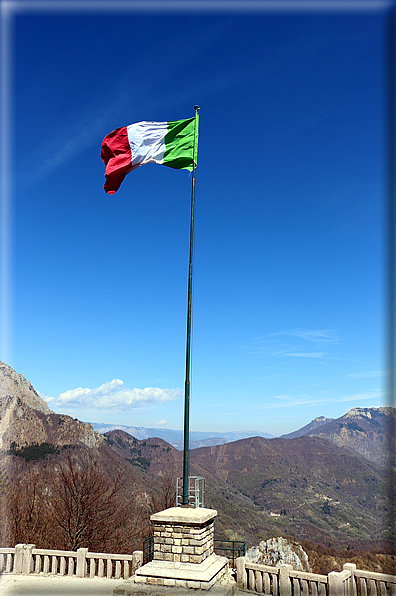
(259, 567)
(109, 556)
(54, 553)
(384, 577)
(316, 577)
(230, 541)
(71, 553)
(292, 572)
(7, 550)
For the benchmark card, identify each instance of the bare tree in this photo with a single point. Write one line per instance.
(86, 505)
(26, 509)
(165, 497)
(69, 503)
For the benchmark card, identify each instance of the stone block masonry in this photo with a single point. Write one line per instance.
(182, 543)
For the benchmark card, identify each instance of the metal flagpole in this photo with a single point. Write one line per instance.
(188, 345)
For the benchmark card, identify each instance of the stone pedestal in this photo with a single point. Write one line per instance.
(183, 550)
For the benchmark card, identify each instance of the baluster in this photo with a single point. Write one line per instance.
(392, 589)
(1, 562)
(37, 566)
(70, 570)
(314, 588)
(296, 587)
(62, 568)
(126, 569)
(322, 589)
(109, 568)
(355, 586)
(275, 584)
(305, 588)
(251, 580)
(101, 568)
(118, 570)
(92, 567)
(373, 588)
(54, 565)
(267, 583)
(363, 586)
(46, 564)
(259, 581)
(9, 563)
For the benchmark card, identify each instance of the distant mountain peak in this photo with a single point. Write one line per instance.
(308, 428)
(14, 385)
(369, 412)
(321, 419)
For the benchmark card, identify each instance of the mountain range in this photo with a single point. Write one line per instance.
(369, 431)
(328, 485)
(175, 437)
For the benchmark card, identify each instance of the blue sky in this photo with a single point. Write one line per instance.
(289, 274)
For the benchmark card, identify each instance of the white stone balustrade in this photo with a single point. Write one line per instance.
(286, 581)
(26, 559)
(262, 579)
(7, 561)
(365, 583)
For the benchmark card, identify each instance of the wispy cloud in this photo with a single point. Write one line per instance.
(307, 354)
(366, 375)
(296, 343)
(374, 395)
(114, 396)
(315, 335)
(289, 401)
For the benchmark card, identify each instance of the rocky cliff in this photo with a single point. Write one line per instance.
(369, 431)
(25, 418)
(277, 552)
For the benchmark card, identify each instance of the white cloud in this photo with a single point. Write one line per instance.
(373, 395)
(161, 422)
(366, 375)
(114, 396)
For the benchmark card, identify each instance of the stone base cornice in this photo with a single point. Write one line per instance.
(188, 575)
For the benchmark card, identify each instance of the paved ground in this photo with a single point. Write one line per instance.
(30, 585)
(17, 585)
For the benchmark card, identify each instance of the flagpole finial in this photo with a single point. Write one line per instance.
(196, 108)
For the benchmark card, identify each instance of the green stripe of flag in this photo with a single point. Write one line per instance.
(181, 144)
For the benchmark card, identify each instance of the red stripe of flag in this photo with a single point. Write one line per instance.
(117, 156)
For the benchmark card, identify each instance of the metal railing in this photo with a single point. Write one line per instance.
(232, 549)
(148, 549)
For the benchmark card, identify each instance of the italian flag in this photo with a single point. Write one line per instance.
(173, 144)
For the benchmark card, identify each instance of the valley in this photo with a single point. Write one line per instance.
(307, 488)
